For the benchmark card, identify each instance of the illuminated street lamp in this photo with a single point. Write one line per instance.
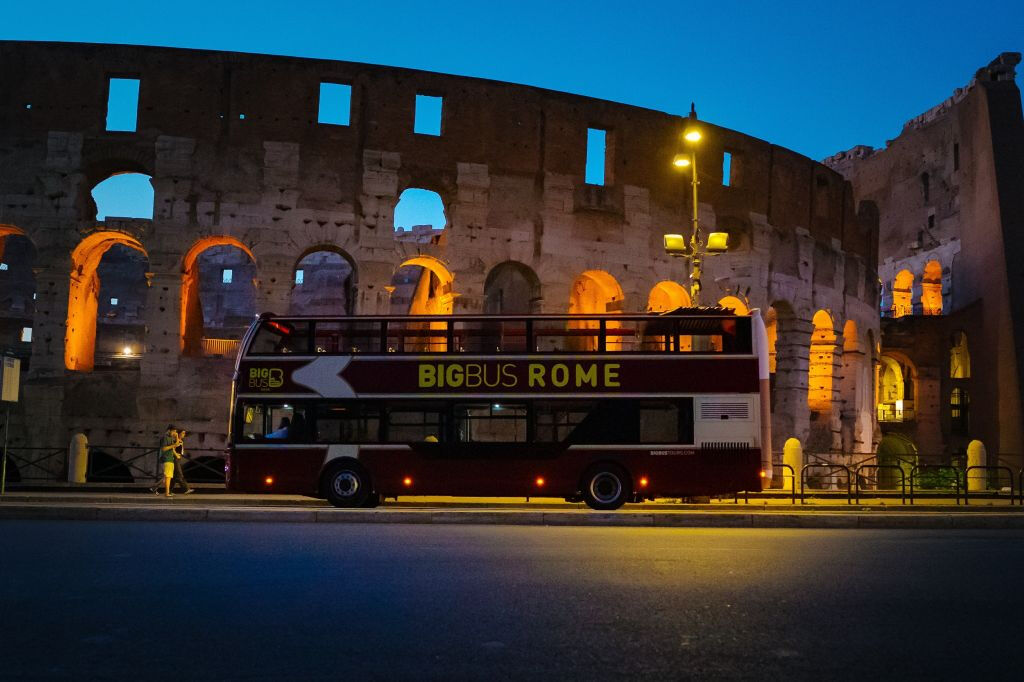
(676, 244)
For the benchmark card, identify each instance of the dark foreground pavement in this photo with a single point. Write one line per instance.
(181, 601)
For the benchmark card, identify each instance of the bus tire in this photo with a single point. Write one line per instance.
(346, 484)
(606, 486)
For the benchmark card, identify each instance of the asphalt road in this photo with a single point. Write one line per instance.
(81, 600)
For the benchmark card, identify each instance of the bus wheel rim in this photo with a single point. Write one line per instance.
(605, 487)
(346, 484)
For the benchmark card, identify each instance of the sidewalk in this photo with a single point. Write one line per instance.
(119, 506)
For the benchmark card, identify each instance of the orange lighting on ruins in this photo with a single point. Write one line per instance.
(822, 361)
(191, 324)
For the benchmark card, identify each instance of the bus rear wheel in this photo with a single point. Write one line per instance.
(606, 486)
(347, 485)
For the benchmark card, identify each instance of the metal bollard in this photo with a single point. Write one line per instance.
(792, 455)
(78, 458)
(976, 457)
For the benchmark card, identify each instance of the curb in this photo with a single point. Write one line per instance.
(669, 519)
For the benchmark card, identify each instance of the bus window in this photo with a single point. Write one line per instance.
(564, 336)
(346, 336)
(273, 422)
(555, 422)
(414, 425)
(347, 424)
(275, 337)
(659, 423)
(417, 337)
(491, 423)
(477, 336)
(623, 336)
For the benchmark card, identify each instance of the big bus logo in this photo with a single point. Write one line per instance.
(266, 378)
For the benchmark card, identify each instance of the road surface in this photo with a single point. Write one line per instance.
(267, 601)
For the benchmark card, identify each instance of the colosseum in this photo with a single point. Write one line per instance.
(265, 200)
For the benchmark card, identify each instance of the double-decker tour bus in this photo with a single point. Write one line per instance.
(605, 409)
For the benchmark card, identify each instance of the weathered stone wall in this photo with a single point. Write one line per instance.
(950, 188)
(235, 152)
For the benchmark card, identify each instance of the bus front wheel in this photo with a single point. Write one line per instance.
(606, 486)
(347, 485)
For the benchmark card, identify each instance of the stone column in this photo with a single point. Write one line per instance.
(163, 327)
(53, 285)
(791, 415)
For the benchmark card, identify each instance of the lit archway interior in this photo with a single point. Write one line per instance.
(595, 292)
(931, 289)
(895, 389)
(124, 195)
(959, 357)
(511, 288)
(323, 284)
(85, 291)
(666, 296)
(902, 293)
(820, 369)
(423, 286)
(218, 295)
(738, 306)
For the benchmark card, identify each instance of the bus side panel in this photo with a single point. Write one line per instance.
(520, 475)
(294, 471)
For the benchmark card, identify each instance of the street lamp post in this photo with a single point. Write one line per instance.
(693, 249)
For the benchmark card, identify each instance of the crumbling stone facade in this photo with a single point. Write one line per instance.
(950, 195)
(237, 157)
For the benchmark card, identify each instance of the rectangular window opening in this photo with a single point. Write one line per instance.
(3, 266)
(335, 104)
(26, 334)
(113, 301)
(727, 169)
(123, 104)
(226, 275)
(428, 115)
(597, 148)
(300, 276)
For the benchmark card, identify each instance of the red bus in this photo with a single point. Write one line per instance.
(606, 409)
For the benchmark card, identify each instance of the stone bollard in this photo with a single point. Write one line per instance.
(78, 458)
(793, 455)
(977, 481)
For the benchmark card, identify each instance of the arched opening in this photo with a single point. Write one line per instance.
(595, 292)
(124, 195)
(959, 410)
(820, 369)
(323, 283)
(931, 288)
(902, 294)
(422, 286)
(895, 449)
(17, 293)
(771, 327)
(419, 216)
(896, 378)
(737, 305)
(511, 288)
(121, 287)
(666, 296)
(218, 295)
(959, 357)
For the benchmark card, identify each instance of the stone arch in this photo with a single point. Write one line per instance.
(83, 296)
(512, 288)
(931, 288)
(902, 294)
(328, 277)
(124, 195)
(17, 284)
(737, 305)
(594, 292)
(739, 230)
(820, 370)
(668, 295)
(8, 231)
(959, 357)
(897, 387)
(192, 327)
(422, 285)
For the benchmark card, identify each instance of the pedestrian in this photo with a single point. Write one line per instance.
(179, 473)
(165, 455)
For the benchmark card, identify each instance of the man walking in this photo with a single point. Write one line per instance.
(179, 473)
(166, 458)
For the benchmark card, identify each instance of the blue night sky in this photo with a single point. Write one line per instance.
(817, 77)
